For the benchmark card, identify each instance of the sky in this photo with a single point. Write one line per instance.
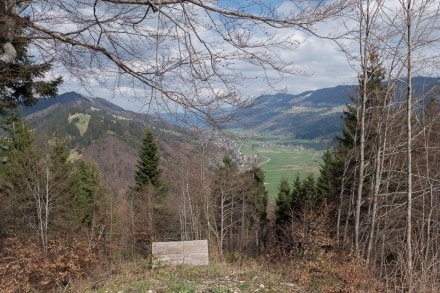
(324, 65)
(320, 60)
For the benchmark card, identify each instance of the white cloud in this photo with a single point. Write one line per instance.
(321, 61)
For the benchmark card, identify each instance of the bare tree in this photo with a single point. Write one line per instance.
(391, 201)
(409, 101)
(40, 181)
(174, 54)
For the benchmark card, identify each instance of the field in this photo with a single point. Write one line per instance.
(284, 159)
(81, 121)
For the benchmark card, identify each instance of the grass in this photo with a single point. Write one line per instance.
(288, 163)
(74, 156)
(81, 121)
(285, 162)
(316, 271)
(217, 277)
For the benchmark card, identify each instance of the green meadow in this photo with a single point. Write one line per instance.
(81, 121)
(278, 161)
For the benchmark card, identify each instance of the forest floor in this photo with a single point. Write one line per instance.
(321, 274)
(218, 276)
(71, 267)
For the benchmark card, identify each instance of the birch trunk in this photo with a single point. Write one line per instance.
(409, 146)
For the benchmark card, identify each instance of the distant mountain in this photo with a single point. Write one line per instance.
(78, 101)
(309, 115)
(312, 114)
(101, 132)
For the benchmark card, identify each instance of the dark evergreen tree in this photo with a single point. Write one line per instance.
(329, 175)
(309, 196)
(20, 80)
(261, 197)
(255, 211)
(283, 203)
(86, 192)
(18, 155)
(342, 159)
(304, 193)
(151, 219)
(148, 166)
(297, 195)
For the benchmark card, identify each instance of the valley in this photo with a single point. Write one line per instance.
(280, 157)
(108, 135)
(236, 186)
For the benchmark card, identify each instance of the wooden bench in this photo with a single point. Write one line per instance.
(182, 252)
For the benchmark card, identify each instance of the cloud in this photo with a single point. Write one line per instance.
(317, 62)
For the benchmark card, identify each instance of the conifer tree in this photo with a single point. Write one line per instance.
(17, 150)
(85, 193)
(37, 181)
(329, 175)
(283, 203)
(150, 216)
(256, 211)
(297, 195)
(344, 154)
(309, 190)
(261, 193)
(148, 166)
(21, 78)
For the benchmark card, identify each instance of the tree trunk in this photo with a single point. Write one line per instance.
(365, 56)
(409, 146)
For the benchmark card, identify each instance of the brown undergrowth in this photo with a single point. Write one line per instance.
(320, 270)
(71, 266)
(311, 256)
(305, 259)
(25, 268)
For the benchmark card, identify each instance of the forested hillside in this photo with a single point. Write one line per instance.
(94, 156)
(87, 187)
(312, 114)
(99, 131)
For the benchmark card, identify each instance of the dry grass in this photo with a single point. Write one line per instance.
(220, 276)
(72, 267)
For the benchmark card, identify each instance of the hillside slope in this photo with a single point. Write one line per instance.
(100, 132)
(312, 114)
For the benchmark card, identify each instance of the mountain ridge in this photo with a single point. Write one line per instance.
(314, 114)
(99, 131)
(311, 114)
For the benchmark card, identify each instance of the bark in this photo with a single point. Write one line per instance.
(364, 47)
(409, 146)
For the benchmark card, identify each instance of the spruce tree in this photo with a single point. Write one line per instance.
(329, 175)
(283, 203)
(297, 195)
(262, 195)
(309, 191)
(86, 192)
(148, 166)
(21, 79)
(150, 218)
(344, 155)
(304, 193)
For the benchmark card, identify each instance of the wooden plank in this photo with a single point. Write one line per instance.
(182, 252)
(163, 248)
(195, 246)
(197, 259)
